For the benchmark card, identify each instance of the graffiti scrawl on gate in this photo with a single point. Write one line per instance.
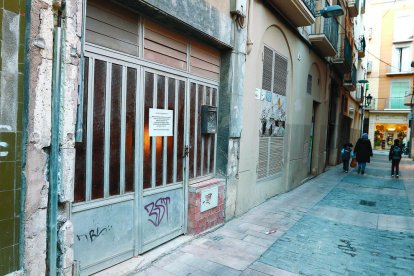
(158, 210)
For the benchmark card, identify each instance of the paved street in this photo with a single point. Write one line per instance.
(335, 224)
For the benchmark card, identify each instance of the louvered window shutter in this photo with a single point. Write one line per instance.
(274, 79)
(267, 69)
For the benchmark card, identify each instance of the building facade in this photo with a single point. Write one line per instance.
(390, 52)
(139, 121)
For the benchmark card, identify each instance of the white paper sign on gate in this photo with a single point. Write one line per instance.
(160, 122)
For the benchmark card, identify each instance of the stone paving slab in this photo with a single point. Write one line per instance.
(206, 266)
(311, 237)
(374, 182)
(363, 189)
(384, 204)
(396, 223)
(346, 216)
(316, 246)
(270, 270)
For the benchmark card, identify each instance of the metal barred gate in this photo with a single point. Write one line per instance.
(130, 187)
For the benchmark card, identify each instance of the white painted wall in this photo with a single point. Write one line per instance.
(267, 29)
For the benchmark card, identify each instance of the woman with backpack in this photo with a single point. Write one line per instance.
(395, 158)
(363, 152)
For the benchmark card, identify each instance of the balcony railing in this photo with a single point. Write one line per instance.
(353, 7)
(361, 47)
(299, 12)
(343, 59)
(363, 7)
(391, 69)
(311, 5)
(350, 81)
(393, 103)
(330, 29)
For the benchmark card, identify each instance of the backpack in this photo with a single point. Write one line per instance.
(396, 152)
(347, 154)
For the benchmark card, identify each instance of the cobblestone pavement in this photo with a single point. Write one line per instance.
(335, 224)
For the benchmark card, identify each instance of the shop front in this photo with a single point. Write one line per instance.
(384, 128)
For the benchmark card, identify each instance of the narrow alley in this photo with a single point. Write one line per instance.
(335, 224)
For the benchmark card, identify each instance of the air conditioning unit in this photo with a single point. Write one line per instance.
(238, 7)
(351, 112)
(369, 66)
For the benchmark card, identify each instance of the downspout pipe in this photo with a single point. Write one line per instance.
(26, 88)
(79, 116)
(249, 42)
(54, 177)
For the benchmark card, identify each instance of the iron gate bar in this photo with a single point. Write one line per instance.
(139, 155)
(89, 129)
(153, 139)
(195, 129)
(203, 99)
(107, 141)
(123, 130)
(97, 51)
(165, 138)
(87, 205)
(177, 82)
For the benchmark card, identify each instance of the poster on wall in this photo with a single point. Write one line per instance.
(160, 122)
(273, 115)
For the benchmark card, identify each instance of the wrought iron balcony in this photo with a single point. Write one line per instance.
(361, 47)
(363, 7)
(393, 103)
(399, 69)
(409, 99)
(353, 7)
(325, 36)
(299, 12)
(343, 59)
(311, 5)
(350, 80)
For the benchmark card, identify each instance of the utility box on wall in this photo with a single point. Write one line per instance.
(238, 7)
(208, 119)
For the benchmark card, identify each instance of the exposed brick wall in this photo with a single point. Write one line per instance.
(200, 221)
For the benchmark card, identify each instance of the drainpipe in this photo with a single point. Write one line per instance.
(249, 43)
(26, 86)
(55, 147)
(79, 116)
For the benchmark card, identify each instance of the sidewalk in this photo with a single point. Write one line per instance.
(335, 224)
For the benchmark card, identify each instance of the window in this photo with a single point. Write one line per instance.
(309, 85)
(401, 58)
(403, 33)
(399, 88)
(273, 114)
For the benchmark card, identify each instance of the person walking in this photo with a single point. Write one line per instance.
(363, 152)
(347, 154)
(395, 158)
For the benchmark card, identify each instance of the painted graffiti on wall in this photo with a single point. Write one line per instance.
(93, 234)
(158, 210)
(273, 115)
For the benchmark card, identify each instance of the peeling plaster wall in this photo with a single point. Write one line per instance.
(39, 126)
(39, 134)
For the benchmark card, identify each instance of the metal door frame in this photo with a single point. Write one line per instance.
(114, 57)
(174, 186)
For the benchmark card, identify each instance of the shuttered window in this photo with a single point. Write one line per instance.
(273, 117)
(309, 85)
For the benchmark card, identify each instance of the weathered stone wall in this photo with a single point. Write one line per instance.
(39, 132)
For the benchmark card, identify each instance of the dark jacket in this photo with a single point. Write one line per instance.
(391, 154)
(363, 150)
